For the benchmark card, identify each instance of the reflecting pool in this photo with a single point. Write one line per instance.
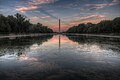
(60, 57)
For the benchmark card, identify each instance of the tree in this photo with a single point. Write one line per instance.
(106, 26)
(20, 24)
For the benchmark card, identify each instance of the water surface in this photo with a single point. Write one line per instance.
(60, 57)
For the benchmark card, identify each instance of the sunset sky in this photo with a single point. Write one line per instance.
(71, 12)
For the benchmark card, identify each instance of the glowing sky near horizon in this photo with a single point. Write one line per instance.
(71, 12)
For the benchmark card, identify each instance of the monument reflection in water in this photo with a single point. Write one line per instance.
(60, 57)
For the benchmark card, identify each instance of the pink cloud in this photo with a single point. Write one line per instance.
(97, 6)
(23, 9)
(34, 19)
(45, 17)
(38, 2)
(92, 18)
(34, 4)
(96, 16)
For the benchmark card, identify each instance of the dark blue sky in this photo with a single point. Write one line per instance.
(71, 12)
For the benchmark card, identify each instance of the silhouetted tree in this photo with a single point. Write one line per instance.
(106, 26)
(20, 24)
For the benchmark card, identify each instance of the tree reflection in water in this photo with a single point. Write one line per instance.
(102, 42)
(18, 46)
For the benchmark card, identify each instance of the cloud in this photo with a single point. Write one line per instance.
(91, 18)
(47, 13)
(115, 1)
(38, 2)
(100, 6)
(87, 21)
(96, 16)
(34, 19)
(96, 6)
(33, 5)
(23, 9)
(45, 17)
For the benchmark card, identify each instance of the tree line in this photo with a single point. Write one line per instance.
(105, 26)
(20, 24)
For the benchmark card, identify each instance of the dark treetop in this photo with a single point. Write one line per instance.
(106, 26)
(20, 24)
